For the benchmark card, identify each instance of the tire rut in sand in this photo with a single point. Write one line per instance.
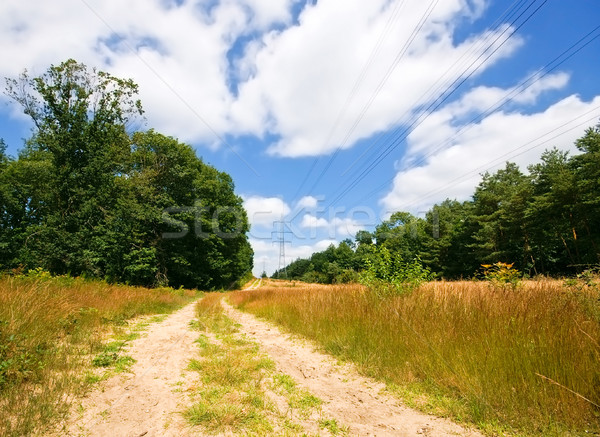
(357, 402)
(147, 400)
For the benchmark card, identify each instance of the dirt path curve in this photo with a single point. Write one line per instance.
(146, 402)
(353, 400)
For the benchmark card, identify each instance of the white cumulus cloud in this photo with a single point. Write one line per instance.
(455, 170)
(265, 211)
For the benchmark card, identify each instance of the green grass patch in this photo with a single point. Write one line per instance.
(332, 426)
(285, 382)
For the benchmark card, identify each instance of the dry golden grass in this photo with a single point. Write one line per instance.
(525, 360)
(50, 328)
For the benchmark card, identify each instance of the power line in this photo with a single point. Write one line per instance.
(374, 51)
(434, 106)
(442, 82)
(507, 15)
(379, 87)
(519, 89)
(401, 133)
(509, 155)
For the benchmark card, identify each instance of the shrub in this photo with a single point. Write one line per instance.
(502, 274)
(388, 274)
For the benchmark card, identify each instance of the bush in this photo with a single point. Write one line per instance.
(347, 276)
(388, 274)
(502, 274)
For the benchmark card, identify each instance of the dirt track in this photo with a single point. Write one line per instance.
(148, 401)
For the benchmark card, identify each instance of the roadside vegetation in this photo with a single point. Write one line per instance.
(59, 335)
(503, 351)
(510, 356)
(239, 390)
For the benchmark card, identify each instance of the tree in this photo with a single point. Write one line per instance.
(551, 213)
(3, 157)
(403, 234)
(363, 238)
(449, 250)
(87, 196)
(344, 255)
(500, 202)
(587, 167)
(79, 117)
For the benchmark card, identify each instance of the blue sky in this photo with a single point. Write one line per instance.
(332, 114)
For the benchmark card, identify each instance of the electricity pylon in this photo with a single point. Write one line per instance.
(282, 229)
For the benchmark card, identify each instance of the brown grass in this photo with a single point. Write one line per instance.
(50, 328)
(524, 360)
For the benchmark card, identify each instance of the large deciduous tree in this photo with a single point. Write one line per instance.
(90, 196)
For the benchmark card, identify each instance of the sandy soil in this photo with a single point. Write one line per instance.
(351, 399)
(147, 402)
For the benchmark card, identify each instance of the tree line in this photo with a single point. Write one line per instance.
(543, 222)
(90, 195)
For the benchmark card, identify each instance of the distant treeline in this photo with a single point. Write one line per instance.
(545, 222)
(89, 195)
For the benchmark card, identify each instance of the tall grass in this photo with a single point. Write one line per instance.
(524, 360)
(50, 328)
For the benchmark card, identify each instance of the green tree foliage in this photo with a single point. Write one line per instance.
(544, 222)
(551, 213)
(89, 196)
(586, 167)
(446, 248)
(332, 266)
(499, 206)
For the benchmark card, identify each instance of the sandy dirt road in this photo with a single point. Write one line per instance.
(354, 401)
(148, 401)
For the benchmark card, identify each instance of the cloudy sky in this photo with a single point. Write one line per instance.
(330, 114)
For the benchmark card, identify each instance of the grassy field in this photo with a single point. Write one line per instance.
(522, 361)
(52, 333)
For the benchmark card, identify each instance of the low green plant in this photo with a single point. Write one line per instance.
(18, 362)
(124, 363)
(332, 426)
(388, 274)
(110, 358)
(590, 277)
(105, 359)
(38, 273)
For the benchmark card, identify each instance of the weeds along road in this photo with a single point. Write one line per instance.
(149, 400)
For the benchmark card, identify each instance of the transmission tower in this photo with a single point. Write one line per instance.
(281, 231)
